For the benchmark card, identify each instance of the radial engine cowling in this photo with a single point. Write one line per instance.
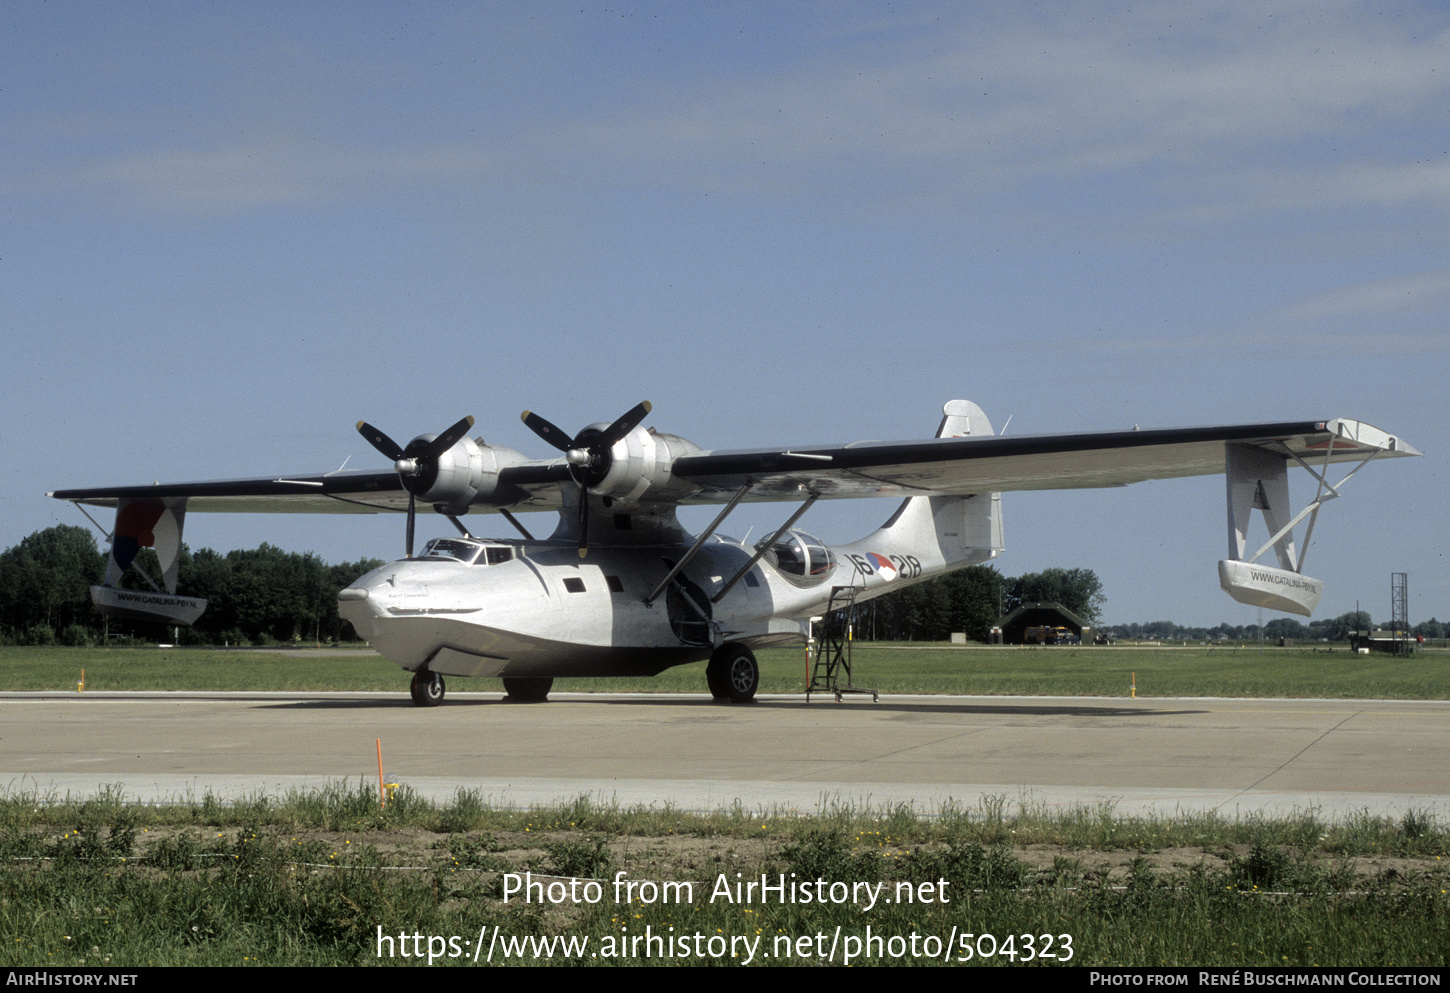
(459, 476)
(638, 467)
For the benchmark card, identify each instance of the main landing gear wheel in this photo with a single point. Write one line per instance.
(523, 689)
(427, 688)
(733, 674)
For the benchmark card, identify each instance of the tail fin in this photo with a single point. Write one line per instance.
(945, 532)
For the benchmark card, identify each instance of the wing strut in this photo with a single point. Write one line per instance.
(106, 534)
(699, 542)
(764, 546)
(515, 522)
(1320, 497)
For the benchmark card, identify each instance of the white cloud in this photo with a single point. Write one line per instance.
(1217, 109)
(271, 174)
(1429, 291)
(1263, 95)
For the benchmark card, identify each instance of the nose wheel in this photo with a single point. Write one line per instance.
(427, 688)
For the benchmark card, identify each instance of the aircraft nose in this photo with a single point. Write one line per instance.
(356, 605)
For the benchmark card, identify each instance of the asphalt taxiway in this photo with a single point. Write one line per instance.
(1238, 757)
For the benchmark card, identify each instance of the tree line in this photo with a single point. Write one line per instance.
(1329, 629)
(972, 600)
(266, 595)
(258, 596)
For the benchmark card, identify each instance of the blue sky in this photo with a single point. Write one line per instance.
(231, 231)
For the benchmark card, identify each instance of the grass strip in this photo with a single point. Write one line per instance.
(896, 668)
(321, 877)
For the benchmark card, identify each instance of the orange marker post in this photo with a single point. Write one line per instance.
(382, 793)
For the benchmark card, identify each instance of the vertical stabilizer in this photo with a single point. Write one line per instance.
(943, 533)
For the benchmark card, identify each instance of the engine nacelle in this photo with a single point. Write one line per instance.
(466, 473)
(640, 468)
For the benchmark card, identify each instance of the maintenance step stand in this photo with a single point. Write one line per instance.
(834, 654)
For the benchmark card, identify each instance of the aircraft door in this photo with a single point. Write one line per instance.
(689, 609)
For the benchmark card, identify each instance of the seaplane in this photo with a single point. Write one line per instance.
(619, 587)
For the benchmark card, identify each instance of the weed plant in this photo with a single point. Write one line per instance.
(317, 878)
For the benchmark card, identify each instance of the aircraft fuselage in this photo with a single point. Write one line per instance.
(537, 609)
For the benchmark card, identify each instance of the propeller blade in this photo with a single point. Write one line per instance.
(447, 439)
(583, 521)
(412, 463)
(408, 543)
(588, 453)
(615, 432)
(549, 432)
(390, 449)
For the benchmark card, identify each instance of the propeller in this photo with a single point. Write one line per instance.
(417, 464)
(587, 454)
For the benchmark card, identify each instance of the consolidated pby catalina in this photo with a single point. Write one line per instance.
(620, 588)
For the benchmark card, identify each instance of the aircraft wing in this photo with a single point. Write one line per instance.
(941, 466)
(330, 493)
(989, 464)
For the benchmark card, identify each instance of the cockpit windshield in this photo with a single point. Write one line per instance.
(457, 549)
(467, 551)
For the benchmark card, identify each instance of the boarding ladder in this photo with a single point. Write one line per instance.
(833, 654)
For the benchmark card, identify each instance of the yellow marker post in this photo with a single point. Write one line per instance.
(81, 686)
(1134, 687)
(382, 792)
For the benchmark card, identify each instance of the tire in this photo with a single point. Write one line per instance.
(733, 674)
(523, 689)
(715, 679)
(427, 688)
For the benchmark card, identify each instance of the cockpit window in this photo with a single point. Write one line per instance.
(451, 548)
(467, 551)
